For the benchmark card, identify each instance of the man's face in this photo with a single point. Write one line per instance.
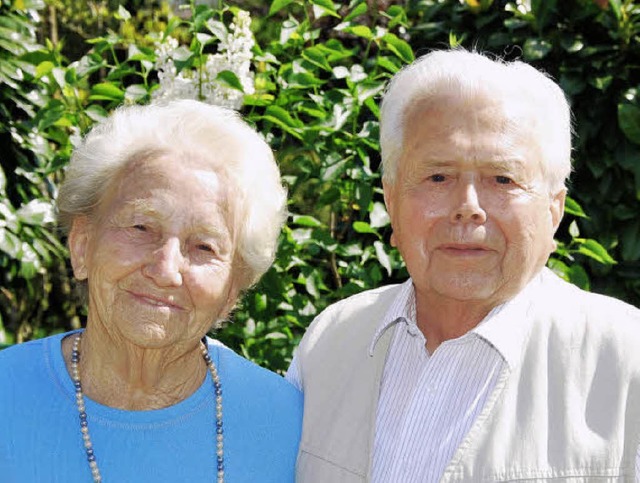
(471, 212)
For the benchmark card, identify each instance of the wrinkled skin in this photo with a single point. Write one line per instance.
(472, 214)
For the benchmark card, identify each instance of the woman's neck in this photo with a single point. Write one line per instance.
(121, 375)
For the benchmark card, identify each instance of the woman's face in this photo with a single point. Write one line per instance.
(158, 253)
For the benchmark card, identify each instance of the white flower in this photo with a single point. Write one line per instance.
(234, 54)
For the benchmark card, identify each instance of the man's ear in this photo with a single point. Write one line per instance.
(388, 190)
(78, 241)
(557, 208)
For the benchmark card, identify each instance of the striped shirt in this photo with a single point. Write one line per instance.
(427, 402)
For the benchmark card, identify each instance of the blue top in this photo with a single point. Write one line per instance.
(40, 439)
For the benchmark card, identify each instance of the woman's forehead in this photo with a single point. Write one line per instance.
(164, 185)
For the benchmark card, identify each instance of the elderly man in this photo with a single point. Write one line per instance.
(484, 365)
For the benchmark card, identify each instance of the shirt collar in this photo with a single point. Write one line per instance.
(403, 308)
(505, 328)
(508, 325)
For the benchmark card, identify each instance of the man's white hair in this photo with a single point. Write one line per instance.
(186, 127)
(470, 75)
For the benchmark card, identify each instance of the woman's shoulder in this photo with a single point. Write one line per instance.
(28, 369)
(19, 354)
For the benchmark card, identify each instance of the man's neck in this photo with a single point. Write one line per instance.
(445, 319)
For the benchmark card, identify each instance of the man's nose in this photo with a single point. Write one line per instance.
(467, 207)
(166, 264)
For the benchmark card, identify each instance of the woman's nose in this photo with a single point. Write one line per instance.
(166, 264)
(467, 207)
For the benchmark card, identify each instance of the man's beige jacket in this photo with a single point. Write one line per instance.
(567, 411)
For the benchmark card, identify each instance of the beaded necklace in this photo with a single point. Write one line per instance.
(84, 425)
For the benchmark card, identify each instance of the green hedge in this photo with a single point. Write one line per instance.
(319, 69)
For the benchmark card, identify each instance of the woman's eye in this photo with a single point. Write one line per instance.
(205, 248)
(503, 180)
(437, 178)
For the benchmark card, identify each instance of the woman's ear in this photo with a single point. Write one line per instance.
(78, 241)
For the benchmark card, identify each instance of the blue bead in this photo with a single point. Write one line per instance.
(84, 423)
(91, 457)
(219, 430)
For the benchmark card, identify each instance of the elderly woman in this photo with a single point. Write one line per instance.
(171, 212)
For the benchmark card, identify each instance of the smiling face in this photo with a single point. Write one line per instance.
(470, 210)
(158, 252)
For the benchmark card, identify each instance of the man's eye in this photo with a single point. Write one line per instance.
(503, 180)
(140, 227)
(437, 178)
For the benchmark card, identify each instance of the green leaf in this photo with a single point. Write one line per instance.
(36, 212)
(382, 256)
(536, 49)
(106, 91)
(230, 79)
(280, 117)
(316, 57)
(387, 64)
(572, 207)
(359, 31)
(629, 121)
(278, 5)
(399, 47)
(96, 113)
(258, 99)
(378, 215)
(327, 6)
(578, 276)
(311, 287)
(44, 68)
(360, 9)
(306, 220)
(123, 14)
(10, 244)
(218, 29)
(363, 227)
(543, 11)
(630, 241)
(593, 249)
(574, 231)
(616, 8)
(135, 93)
(283, 116)
(260, 302)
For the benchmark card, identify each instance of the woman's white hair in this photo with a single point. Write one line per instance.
(257, 197)
(470, 75)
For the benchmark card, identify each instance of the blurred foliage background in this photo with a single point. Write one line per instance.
(319, 68)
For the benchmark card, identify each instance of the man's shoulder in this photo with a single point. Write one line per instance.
(374, 300)
(356, 316)
(596, 313)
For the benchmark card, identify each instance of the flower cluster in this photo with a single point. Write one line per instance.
(202, 83)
